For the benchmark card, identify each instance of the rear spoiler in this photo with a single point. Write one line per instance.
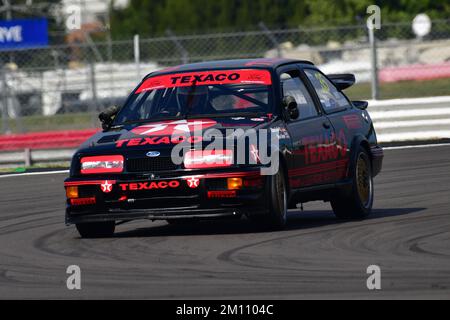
(342, 81)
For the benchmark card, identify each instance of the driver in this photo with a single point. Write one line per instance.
(194, 100)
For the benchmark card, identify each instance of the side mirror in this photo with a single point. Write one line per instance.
(342, 81)
(106, 117)
(361, 104)
(290, 104)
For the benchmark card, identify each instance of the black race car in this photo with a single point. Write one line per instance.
(226, 139)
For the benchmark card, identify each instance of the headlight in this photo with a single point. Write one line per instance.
(102, 164)
(198, 159)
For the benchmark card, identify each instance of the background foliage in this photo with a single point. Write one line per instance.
(153, 17)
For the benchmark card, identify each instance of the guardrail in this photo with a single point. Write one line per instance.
(41, 147)
(411, 119)
(45, 140)
(398, 120)
(27, 157)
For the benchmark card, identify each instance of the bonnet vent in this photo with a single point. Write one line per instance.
(107, 139)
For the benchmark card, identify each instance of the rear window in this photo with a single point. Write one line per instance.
(330, 97)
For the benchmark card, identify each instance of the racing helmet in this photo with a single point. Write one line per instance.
(192, 99)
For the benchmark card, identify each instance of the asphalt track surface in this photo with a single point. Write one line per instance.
(317, 256)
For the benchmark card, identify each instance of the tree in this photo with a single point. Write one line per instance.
(153, 17)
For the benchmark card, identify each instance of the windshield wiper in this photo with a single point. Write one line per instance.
(145, 120)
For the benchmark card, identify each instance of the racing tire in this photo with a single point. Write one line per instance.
(357, 204)
(276, 217)
(96, 229)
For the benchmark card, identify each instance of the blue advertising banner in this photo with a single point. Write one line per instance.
(23, 34)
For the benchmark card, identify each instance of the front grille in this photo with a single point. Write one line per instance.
(151, 164)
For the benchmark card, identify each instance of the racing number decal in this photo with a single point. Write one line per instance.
(323, 83)
(177, 127)
(167, 132)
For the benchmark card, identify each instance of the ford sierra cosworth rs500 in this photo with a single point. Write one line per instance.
(223, 139)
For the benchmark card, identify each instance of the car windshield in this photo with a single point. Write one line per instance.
(190, 95)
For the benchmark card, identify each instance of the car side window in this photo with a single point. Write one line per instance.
(293, 86)
(330, 97)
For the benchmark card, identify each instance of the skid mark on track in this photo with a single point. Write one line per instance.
(229, 256)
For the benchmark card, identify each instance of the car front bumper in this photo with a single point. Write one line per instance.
(203, 195)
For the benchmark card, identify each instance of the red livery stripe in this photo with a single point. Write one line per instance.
(319, 168)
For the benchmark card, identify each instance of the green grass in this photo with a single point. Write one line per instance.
(403, 89)
(72, 121)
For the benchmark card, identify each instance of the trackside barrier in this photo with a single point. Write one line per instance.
(28, 157)
(45, 140)
(40, 147)
(398, 120)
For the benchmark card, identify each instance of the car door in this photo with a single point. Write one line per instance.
(309, 133)
(338, 110)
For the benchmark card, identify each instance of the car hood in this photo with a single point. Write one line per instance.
(157, 135)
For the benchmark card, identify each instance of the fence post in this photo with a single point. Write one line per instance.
(374, 62)
(137, 56)
(27, 157)
(4, 100)
(272, 38)
(181, 49)
(95, 106)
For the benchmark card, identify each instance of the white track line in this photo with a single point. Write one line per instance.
(421, 146)
(33, 173)
(411, 136)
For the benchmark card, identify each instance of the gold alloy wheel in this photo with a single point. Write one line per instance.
(364, 181)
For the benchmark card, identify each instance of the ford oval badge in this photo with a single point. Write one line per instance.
(153, 154)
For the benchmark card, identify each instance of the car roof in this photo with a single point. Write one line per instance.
(261, 63)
